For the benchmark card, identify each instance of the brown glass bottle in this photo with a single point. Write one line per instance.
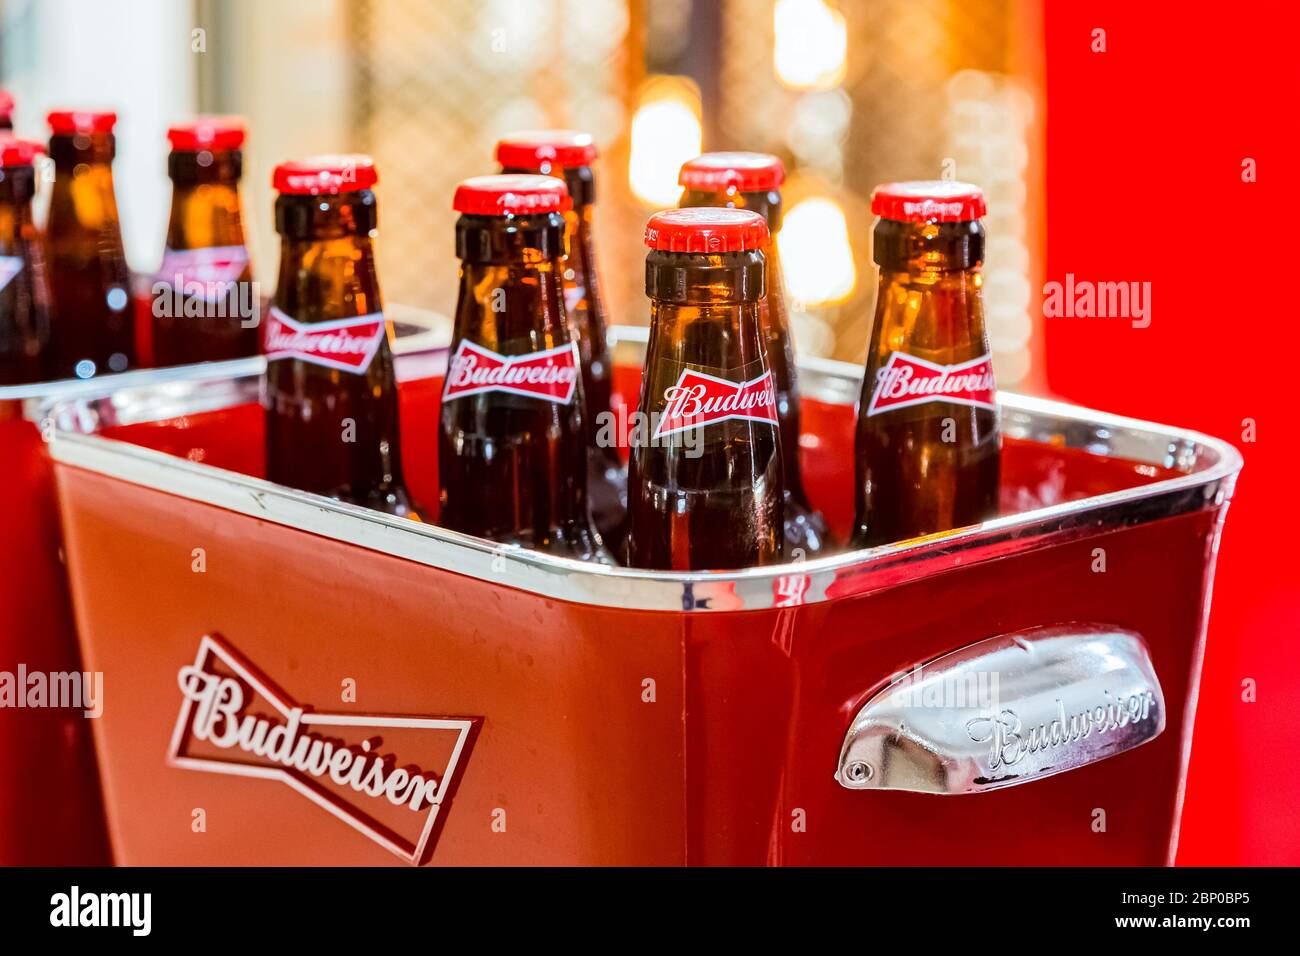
(512, 454)
(753, 181)
(705, 488)
(569, 155)
(928, 442)
(205, 306)
(331, 397)
(93, 328)
(24, 291)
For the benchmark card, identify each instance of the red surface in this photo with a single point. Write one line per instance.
(706, 229)
(511, 194)
(932, 201)
(1145, 145)
(50, 812)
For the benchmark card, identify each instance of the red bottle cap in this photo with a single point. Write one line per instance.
(745, 172)
(71, 122)
(514, 194)
(325, 175)
(18, 152)
(6, 103)
(538, 148)
(928, 201)
(706, 230)
(207, 132)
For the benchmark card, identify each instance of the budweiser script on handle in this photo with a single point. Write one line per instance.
(1011, 743)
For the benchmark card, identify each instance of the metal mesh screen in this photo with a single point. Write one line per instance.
(889, 119)
(438, 83)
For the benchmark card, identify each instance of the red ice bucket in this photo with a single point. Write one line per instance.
(292, 680)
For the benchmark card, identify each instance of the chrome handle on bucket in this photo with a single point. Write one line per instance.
(1007, 710)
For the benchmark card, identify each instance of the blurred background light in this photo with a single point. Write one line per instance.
(666, 132)
(811, 47)
(816, 253)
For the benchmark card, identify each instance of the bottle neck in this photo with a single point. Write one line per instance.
(193, 167)
(510, 296)
(83, 197)
(928, 247)
(580, 181)
(325, 279)
(68, 150)
(327, 256)
(766, 203)
(17, 186)
(929, 302)
(511, 307)
(317, 218)
(688, 279)
(205, 215)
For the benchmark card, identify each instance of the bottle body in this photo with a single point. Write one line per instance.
(569, 155)
(805, 528)
(512, 451)
(93, 328)
(928, 442)
(705, 484)
(25, 354)
(332, 424)
(205, 305)
(585, 305)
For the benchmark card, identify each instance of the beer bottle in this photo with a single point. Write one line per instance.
(569, 155)
(331, 396)
(705, 487)
(6, 111)
(753, 181)
(94, 324)
(928, 443)
(24, 291)
(204, 307)
(512, 450)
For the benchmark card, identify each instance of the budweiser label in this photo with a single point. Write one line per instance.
(699, 399)
(212, 268)
(346, 344)
(10, 266)
(907, 380)
(550, 375)
(388, 777)
(573, 296)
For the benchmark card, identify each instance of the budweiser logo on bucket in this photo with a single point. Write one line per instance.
(699, 399)
(346, 344)
(386, 776)
(551, 374)
(907, 380)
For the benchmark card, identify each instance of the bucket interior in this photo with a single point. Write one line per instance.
(1034, 474)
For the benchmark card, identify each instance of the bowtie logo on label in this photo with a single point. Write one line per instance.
(699, 399)
(215, 267)
(394, 788)
(907, 380)
(551, 374)
(346, 344)
(10, 266)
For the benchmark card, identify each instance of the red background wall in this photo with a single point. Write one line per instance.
(1145, 144)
